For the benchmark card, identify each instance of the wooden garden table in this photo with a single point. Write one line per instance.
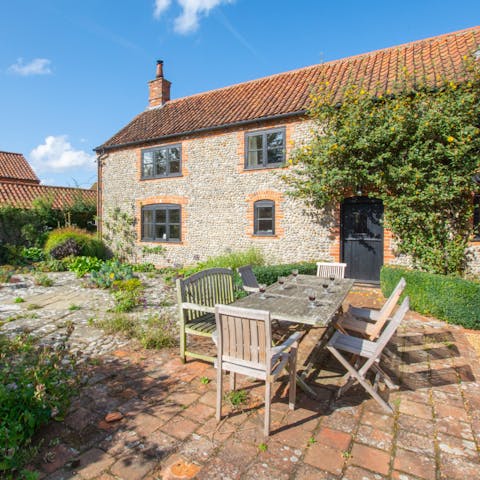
(291, 304)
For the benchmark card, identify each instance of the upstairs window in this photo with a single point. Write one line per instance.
(160, 162)
(265, 149)
(264, 218)
(161, 223)
(476, 216)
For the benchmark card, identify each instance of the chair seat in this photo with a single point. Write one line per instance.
(355, 345)
(357, 325)
(204, 325)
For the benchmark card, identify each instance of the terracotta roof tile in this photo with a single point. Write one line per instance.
(287, 93)
(23, 194)
(14, 167)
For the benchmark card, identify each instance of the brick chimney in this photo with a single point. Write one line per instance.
(159, 88)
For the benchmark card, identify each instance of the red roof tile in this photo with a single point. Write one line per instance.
(14, 167)
(23, 194)
(287, 93)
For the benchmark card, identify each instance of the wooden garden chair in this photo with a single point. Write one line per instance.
(369, 322)
(371, 352)
(244, 345)
(327, 269)
(197, 296)
(249, 280)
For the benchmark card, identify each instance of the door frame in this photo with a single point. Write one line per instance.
(359, 200)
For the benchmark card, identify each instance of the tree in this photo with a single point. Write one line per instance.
(415, 149)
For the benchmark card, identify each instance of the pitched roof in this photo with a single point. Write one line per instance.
(287, 94)
(23, 194)
(14, 167)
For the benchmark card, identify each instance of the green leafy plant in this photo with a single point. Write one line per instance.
(32, 254)
(415, 148)
(83, 265)
(111, 271)
(311, 441)
(127, 294)
(263, 447)
(120, 235)
(51, 265)
(73, 307)
(204, 380)
(236, 398)
(43, 280)
(6, 274)
(68, 241)
(452, 299)
(35, 386)
(18, 300)
(158, 250)
(143, 267)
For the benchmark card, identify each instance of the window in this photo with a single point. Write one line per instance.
(476, 216)
(264, 218)
(265, 149)
(162, 162)
(161, 223)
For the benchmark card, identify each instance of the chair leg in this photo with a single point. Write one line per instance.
(232, 381)
(292, 369)
(268, 400)
(219, 391)
(183, 341)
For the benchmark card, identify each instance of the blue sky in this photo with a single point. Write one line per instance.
(72, 73)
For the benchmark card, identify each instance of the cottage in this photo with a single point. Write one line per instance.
(200, 174)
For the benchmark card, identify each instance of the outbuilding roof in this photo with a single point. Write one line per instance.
(14, 167)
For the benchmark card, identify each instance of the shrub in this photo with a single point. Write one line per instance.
(269, 274)
(143, 267)
(83, 265)
(35, 386)
(42, 280)
(32, 254)
(111, 271)
(452, 299)
(51, 265)
(127, 294)
(68, 248)
(88, 245)
(231, 260)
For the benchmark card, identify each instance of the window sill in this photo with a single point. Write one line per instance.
(142, 179)
(161, 242)
(271, 167)
(264, 235)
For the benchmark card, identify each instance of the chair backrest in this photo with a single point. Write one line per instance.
(208, 288)
(326, 269)
(244, 337)
(248, 278)
(388, 307)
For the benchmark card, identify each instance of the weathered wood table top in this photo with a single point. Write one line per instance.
(292, 305)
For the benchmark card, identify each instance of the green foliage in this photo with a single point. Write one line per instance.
(83, 265)
(6, 273)
(73, 307)
(452, 299)
(263, 447)
(87, 244)
(18, 300)
(143, 267)
(120, 235)
(32, 254)
(416, 151)
(158, 250)
(236, 398)
(35, 386)
(42, 279)
(269, 274)
(231, 260)
(51, 265)
(155, 332)
(111, 271)
(204, 380)
(127, 294)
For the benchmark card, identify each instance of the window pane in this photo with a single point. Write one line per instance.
(161, 216)
(161, 232)
(264, 212)
(265, 226)
(255, 158)
(175, 166)
(174, 215)
(147, 230)
(147, 216)
(275, 155)
(147, 167)
(174, 153)
(275, 140)
(161, 162)
(255, 142)
(174, 232)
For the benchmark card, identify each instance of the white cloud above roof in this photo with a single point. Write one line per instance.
(38, 66)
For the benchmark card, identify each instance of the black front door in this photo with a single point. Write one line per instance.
(362, 238)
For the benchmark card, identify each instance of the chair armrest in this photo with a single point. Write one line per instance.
(365, 313)
(198, 308)
(251, 289)
(287, 343)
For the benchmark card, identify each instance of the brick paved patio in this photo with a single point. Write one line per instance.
(164, 428)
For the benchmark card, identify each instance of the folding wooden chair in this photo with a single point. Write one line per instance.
(366, 321)
(249, 280)
(244, 345)
(371, 352)
(327, 269)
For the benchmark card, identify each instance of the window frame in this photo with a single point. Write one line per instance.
(264, 150)
(262, 204)
(476, 217)
(167, 174)
(167, 207)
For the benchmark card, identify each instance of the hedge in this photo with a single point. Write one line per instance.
(269, 274)
(452, 299)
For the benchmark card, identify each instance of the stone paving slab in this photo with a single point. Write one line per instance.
(166, 427)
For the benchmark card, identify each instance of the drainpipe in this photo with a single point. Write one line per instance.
(100, 157)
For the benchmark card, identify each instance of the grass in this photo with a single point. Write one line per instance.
(263, 447)
(18, 300)
(204, 380)
(33, 306)
(43, 280)
(74, 307)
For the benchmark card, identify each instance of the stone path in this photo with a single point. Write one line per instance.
(145, 415)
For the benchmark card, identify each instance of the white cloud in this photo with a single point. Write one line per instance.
(192, 10)
(57, 154)
(38, 66)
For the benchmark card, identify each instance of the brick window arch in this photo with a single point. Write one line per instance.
(265, 214)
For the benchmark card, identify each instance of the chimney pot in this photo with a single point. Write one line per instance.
(159, 88)
(159, 69)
